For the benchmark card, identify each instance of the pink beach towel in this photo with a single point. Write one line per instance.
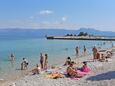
(75, 78)
(85, 71)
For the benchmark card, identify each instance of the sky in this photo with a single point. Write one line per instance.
(67, 14)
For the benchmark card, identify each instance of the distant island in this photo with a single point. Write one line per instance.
(82, 36)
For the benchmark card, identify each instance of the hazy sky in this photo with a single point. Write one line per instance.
(69, 14)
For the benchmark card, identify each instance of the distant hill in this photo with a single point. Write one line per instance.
(17, 33)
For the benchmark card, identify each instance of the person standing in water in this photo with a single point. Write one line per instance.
(84, 50)
(41, 61)
(46, 62)
(77, 51)
(12, 57)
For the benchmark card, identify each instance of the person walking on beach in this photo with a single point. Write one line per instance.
(94, 53)
(84, 48)
(41, 61)
(77, 51)
(46, 62)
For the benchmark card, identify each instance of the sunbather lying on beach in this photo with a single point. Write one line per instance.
(71, 72)
(85, 68)
(55, 75)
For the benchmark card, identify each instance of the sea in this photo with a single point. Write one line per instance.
(57, 50)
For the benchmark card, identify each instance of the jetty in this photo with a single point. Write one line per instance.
(103, 38)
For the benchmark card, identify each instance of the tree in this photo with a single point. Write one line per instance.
(85, 34)
(82, 34)
(67, 35)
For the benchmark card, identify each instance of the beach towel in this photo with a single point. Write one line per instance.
(75, 78)
(86, 70)
(55, 75)
(82, 72)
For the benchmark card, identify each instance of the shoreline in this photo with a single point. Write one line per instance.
(80, 59)
(23, 73)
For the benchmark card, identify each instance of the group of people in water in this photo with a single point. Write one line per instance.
(77, 49)
(44, 61)
(25, 63)
(43, 64)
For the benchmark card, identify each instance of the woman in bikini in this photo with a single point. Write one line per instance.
(71, 72)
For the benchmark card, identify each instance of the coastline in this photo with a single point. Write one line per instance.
(98, 68)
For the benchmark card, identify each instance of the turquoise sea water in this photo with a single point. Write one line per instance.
(57, 51)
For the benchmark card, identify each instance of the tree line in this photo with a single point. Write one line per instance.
(80, 34)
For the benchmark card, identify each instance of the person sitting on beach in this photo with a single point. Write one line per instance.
(68, 61)
(36, 70)
(24, 64)
(85, 68)
(71, 71)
